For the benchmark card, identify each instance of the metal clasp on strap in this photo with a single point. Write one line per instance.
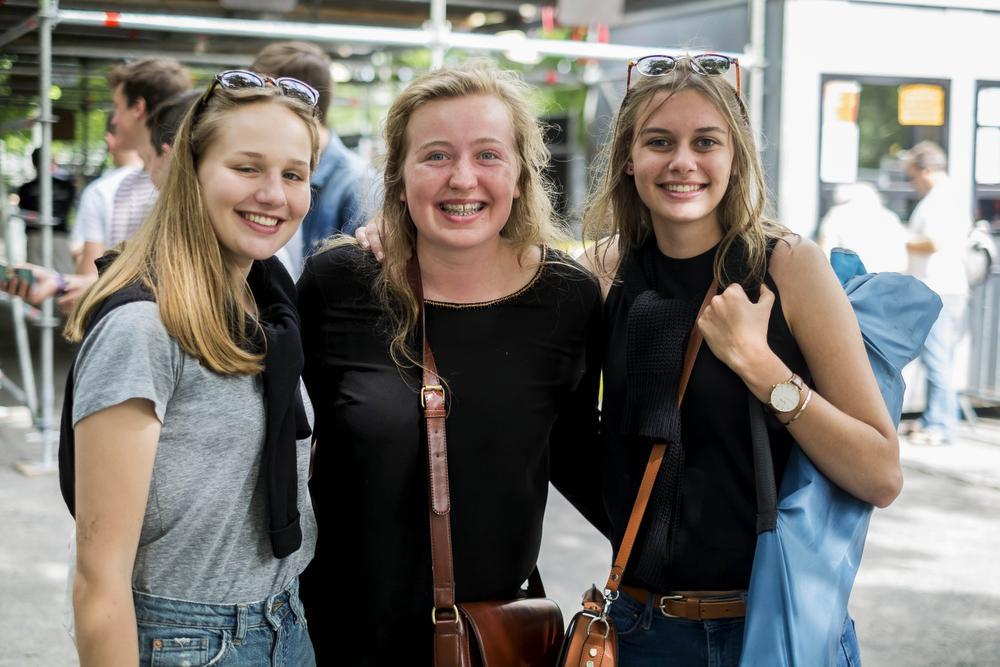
(599, 619)
(427, 388)
(609, 597)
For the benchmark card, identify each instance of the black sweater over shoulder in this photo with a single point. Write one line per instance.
(522, 374)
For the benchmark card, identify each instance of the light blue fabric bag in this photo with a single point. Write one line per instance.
(809, 542)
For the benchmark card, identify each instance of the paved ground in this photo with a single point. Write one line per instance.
(928, 592)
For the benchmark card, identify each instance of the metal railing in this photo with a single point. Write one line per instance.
(984, 330)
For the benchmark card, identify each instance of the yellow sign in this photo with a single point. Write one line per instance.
(921, 104)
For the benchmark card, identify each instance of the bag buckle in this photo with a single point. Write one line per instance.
(427, 388)
(453, 609)
(663, 604)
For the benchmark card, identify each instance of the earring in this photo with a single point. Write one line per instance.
(628, 168)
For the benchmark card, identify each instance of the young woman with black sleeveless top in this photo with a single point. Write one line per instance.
(682, 202)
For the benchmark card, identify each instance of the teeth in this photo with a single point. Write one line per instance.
(261, 219)
(677, 187)
(461, 209)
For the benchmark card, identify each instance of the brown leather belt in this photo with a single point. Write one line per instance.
(691, 607)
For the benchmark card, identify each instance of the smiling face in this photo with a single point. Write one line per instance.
(254, 180)
(460, 172)
(681, 160)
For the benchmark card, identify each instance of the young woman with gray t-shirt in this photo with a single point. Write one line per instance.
(193, 519)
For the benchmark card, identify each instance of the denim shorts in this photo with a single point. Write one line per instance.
(175, 633)
(647, 638)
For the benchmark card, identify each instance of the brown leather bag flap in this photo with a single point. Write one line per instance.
(525, 632)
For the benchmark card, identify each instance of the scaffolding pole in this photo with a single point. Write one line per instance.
(758, 22)
(439, 28)
(369, 35)
(26, 394)
(44, 417)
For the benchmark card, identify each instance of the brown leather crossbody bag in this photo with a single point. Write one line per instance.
(499, 633)
(591, 640)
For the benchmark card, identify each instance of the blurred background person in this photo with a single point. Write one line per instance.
(342, 178)
(858, 221)
(162, 125)
(63, 194)
(139, 89)
(93, 216)
(939, 229)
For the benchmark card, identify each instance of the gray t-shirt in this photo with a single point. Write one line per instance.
(204, 536)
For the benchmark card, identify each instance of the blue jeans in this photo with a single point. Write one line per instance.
(175, 633)
(938, 354)
(647, 638)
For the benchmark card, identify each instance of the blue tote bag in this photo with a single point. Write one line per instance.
(812, 535)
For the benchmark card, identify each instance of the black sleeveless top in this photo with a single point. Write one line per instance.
(714, 545)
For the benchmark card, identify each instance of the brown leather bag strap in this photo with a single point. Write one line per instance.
(656, 455)
(450, 646)
(432, 403)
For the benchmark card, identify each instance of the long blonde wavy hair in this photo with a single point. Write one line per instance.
(615, 210)
(176, 254)
(532, 220)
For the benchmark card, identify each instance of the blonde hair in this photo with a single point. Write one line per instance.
(176, 254)
(617, 212)
(531, 221)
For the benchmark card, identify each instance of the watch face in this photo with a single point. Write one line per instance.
(785, 397)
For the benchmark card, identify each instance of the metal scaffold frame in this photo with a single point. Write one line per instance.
(42, 410)
(436, 35)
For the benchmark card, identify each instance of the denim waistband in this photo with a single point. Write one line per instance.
(237, 618)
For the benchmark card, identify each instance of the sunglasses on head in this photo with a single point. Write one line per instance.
(708, 64)
(238, 79)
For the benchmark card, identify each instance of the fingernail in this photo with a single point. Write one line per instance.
(379, 255)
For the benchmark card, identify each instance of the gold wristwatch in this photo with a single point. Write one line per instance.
(786, 396)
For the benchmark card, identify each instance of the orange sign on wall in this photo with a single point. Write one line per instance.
(921, 104)
(840, 101)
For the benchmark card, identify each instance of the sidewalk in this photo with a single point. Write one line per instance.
(35, 526)
(36, 529)
(973, 459)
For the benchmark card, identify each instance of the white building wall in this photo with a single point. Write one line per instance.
(865, 39)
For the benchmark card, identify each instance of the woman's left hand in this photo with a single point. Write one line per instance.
(736, 329)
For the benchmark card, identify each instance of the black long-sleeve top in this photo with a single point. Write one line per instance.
(522, 376)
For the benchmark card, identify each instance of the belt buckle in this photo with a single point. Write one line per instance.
(663, 602)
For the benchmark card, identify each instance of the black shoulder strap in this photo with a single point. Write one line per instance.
(763, 467)
(67, 442)
(763, 463)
